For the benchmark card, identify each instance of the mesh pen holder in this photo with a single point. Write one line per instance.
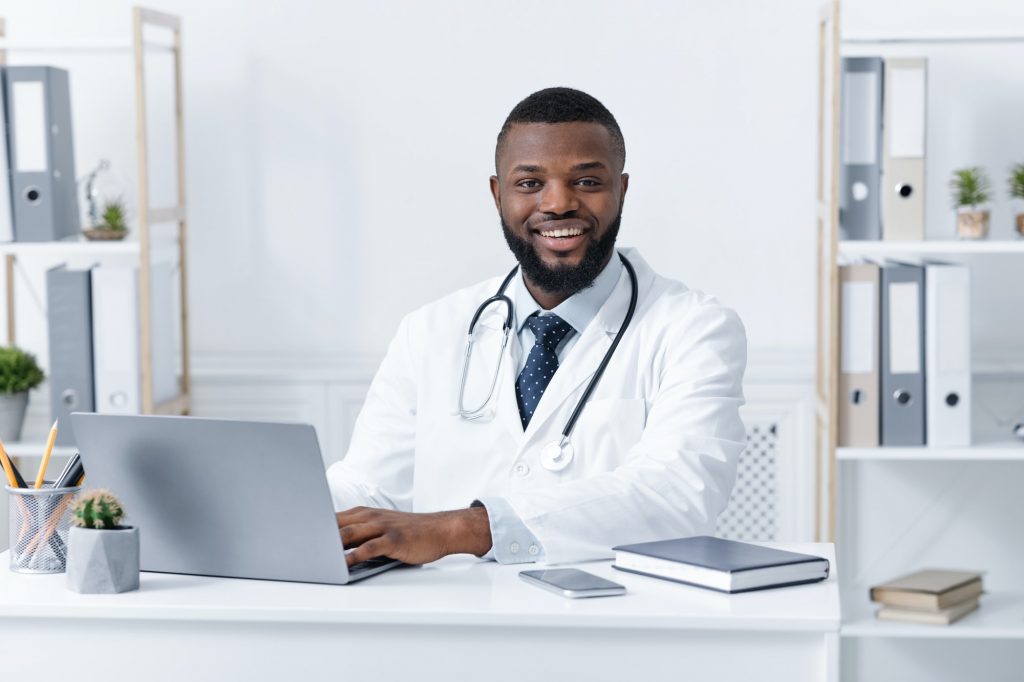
(38, 533)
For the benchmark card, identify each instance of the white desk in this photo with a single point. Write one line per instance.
(457, 619)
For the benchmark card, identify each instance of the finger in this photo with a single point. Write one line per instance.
(353, 516)
(379, 546)
(357, 534)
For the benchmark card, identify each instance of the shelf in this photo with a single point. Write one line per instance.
(934, 39)
(932, 248)
(79, 246)
(105, 46)
(985, 451)
(36, 449)
(999, 616)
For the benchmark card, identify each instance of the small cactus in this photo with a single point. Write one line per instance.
(97, 509)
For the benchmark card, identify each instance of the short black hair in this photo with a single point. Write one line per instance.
(563, 105)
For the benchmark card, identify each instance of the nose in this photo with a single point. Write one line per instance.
(558, 199)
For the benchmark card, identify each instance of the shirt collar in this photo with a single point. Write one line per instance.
(579, 309)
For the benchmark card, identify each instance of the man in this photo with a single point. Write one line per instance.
(655, 447)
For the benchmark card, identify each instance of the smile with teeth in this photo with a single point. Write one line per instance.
(568, 232)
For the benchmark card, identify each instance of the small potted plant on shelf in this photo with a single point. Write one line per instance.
(971, 189)
(113, 222)
(19, 374)
(103, 556)
(1017, 193)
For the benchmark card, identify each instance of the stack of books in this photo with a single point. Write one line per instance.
(929, 596)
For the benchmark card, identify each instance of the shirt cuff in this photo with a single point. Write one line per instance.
(511, 541)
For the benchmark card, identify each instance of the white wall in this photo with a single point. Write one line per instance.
(338, 153)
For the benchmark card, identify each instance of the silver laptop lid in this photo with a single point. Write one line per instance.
(218, 497)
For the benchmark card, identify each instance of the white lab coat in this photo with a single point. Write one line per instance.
(655, 447)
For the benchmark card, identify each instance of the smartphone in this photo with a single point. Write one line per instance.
(572, 583)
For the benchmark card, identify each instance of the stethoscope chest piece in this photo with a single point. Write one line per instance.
(556, 455)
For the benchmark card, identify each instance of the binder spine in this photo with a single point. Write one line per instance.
(69, 312)
(41, 151)
(903, 164)
(861, 149)
(903, 381)
(948, 355)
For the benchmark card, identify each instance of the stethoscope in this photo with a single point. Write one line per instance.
(556, 455)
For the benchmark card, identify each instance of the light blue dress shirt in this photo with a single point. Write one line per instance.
(511, 541)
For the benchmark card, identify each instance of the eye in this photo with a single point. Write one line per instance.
(528, 184)
(589, 182)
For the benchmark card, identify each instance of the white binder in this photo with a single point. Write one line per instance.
(948, 354)
(116, 352)
(903, 144)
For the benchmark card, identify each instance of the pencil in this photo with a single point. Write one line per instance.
(46, 455)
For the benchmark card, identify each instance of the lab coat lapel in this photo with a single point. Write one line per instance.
(582, 361)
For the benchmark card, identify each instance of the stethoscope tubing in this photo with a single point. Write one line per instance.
(501, 297)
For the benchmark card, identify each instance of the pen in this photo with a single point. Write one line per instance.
(13, 475)
(64, 471)
(6, 462)
(46, 455)
(72, 473)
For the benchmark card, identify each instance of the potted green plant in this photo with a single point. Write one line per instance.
(113, 222)
(971, 189)
(103, 555)
(19, 374)
(1017, 194)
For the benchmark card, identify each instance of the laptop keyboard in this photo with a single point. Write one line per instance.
(369, 564)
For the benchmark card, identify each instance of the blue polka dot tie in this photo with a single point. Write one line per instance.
(541, 363)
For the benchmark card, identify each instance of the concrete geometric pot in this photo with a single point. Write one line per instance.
(103, 561)
(972, 223)
(12, 415)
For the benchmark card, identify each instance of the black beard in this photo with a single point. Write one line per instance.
(563, 279)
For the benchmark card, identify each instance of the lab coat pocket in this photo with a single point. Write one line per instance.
(606, 431)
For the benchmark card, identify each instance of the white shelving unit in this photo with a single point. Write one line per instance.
(161, 232)
(893, 510)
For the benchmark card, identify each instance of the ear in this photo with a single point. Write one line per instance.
(625, 186)
(496, 192)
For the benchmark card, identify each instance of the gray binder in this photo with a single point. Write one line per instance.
(6, 226)
(860, 207)
(69, 309)
(903, 376)
(41, 151)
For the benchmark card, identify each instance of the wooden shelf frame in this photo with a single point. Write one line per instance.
(148, 214)
(827, 375)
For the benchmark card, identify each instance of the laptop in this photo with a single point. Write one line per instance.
(219, 497)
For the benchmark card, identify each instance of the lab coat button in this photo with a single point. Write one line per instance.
(514, 548)
(534, 550)
(522, 469)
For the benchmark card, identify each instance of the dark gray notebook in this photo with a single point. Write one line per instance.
(724, 565)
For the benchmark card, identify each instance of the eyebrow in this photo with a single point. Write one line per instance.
(531, 168)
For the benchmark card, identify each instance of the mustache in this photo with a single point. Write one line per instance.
(553, 218)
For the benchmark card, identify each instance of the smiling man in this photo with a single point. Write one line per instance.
(600, 404)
